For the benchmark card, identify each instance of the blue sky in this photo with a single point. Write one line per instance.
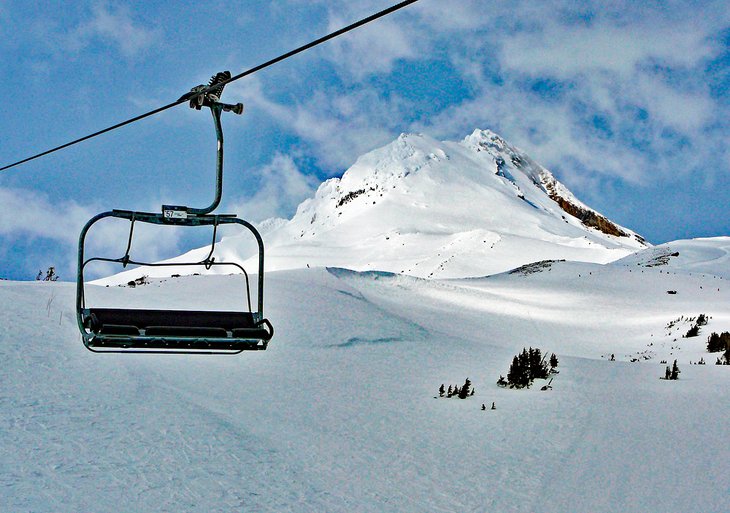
(627, 103)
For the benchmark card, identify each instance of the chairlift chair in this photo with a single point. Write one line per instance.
(121, 330)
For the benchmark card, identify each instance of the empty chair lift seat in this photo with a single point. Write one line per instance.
(176, 329)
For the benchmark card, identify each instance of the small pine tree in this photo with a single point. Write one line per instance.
(442, 391)
(534, 358)
(538, 366)
(464, 390)
(524, 362)
(718, 342)
(553, 361)
(692, 332)
(450, 392)
(517, 374)
(675, 371)
(39, 276)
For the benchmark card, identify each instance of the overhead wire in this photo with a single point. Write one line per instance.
(190, 96)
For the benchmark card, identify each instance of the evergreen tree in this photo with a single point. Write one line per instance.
(533, 356)
(675, 371)
(450, 392)
(538, 366)
(442, 391)
(718, 342)
(553, 361)
(515, 375)
(524, 365)
(464, 390)
(693, 331)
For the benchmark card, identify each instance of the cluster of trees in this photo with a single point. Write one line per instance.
(720, 342)
(672, 373)
(695, 329)
(462, 392)
(50, 275)
(528, 366)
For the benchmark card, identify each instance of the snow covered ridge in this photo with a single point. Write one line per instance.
(441, 209)
(435, 209)
(542, 178)
(709, 256)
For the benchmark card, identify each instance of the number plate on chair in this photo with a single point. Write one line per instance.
(173, 212)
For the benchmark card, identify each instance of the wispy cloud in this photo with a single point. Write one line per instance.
(114, 26)
(27, 213)
(337, 126)
(29, 218)
(564, 51)
(370, 50)
(615, 91)
(281, 188)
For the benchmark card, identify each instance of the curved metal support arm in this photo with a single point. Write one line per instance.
(215, 109)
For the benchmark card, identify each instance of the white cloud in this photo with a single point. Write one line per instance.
(638, 71)
(566, 51)
(29, 216)
(688, 112)
(113, 26)
(28, 213)
(337, 126)
(282, 187)
(373, 48)
(370, 49)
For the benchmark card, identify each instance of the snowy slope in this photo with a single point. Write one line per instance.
(436, 210)
(339, 413)
(705, 256)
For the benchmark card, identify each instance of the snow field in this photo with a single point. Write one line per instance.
(339, 413)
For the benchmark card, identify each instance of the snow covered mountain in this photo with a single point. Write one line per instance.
(445, 209)
(434, 209)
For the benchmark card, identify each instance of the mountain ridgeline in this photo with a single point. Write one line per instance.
(445, 209)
